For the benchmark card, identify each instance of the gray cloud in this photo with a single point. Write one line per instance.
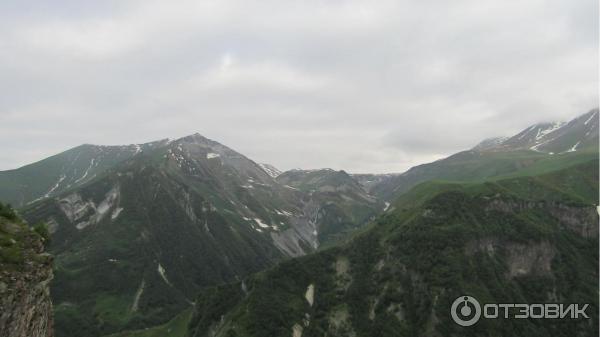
(364, 86)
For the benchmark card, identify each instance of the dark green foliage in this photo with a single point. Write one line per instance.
(21, 248)
(42, 230)
(7, 212)
(66, 170)
(177, 327)
(186, 223)
(172, 221)
(403, 273)
(474, 166)
(215, 302)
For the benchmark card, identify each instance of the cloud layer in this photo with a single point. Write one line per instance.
(366, 86)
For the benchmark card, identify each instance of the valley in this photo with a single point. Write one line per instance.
(189, 238)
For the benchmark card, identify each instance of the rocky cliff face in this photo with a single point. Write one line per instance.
(25, 272)
(25, 304)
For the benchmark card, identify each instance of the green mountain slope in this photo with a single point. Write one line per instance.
(537, 149)
(138, 231)
(577, 134)
(135, 244)
(505, 241)
(177, 327)
(577, 182)
(67, 170)
(479, 166)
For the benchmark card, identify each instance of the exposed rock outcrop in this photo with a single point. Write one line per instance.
(25, 274)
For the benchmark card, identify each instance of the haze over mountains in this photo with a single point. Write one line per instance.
(176, 216)
(508, 224)
(530, 149)
(76, 166)
(525, 240)
(557, 137)
(138, 231)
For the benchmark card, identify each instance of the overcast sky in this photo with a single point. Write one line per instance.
(365, 86)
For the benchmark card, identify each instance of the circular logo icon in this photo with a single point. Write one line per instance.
(465, 311)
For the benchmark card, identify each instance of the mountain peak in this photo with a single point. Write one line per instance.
(197, 138)
(270, 170)
(550, 137)
(489, 143)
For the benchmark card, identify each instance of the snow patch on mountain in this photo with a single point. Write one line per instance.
(550, 138)
(537, 145)
(543, 132)
(52, 189)
(270, 170)
(283, 212)
(591, 117)
(163, 274)
(86, 171)
(60, 180)
(116, 212)
(138, 295)
(574, 148)
(524, 133)
(486, 144)
(138, 148)
(310, 294)
(261, 223)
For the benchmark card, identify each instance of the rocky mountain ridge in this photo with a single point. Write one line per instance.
(139, 234)
(539, 147)
(136, 243)
(67, 170)
(25, 274)
(501, 242)
(551, 138)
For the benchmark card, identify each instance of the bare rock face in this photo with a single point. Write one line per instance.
(26, 307)
(531, 258)
(25, 274)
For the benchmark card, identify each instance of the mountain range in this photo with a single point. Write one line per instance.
(537, 149)
(517, 240)
(136, 242)
(505, 223)
(138, 231)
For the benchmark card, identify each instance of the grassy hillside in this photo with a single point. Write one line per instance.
(517, 240)
(132, 250)
(578, 182)
(136, 244)
(177, 327)
(66, 170)
(478, 166)
(20, 246)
